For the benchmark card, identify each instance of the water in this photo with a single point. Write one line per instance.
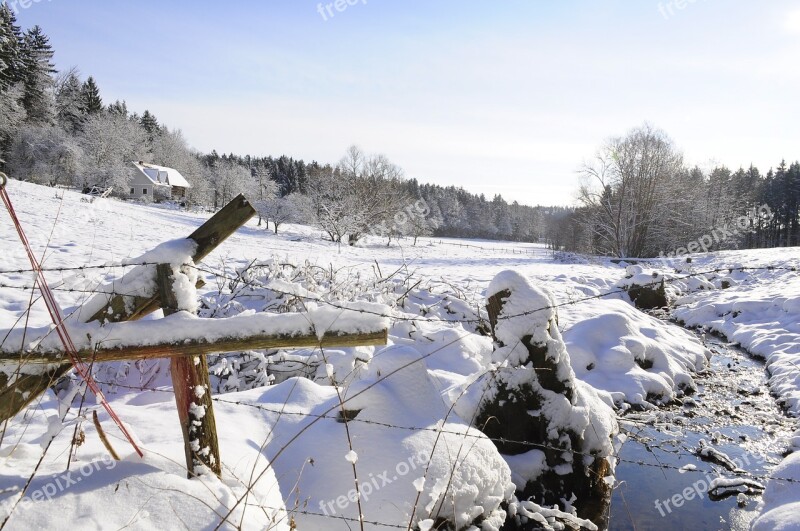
(734, 412)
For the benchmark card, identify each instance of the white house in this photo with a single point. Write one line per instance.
(157, 182)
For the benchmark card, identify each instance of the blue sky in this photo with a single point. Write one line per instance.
(506, 97)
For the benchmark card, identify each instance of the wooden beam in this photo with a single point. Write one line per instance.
(192, 388)
(208, 237)
(202, 347)
(221, 225)
(25, 388)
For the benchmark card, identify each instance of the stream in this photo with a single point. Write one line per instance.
(733, 412)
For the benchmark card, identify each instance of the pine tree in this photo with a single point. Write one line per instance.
(92, 102)
(69, 103)
(37, 69)
(150, 124)
(10, 48)
(119, 108)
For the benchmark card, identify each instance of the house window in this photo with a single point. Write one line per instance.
(133, 191)
(144, 191)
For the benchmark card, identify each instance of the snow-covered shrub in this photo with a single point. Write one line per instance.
(280, 287)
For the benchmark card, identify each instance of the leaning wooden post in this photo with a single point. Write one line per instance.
(192, 394)
(19, 390)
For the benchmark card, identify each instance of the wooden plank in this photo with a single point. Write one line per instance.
(192, 388)
(203, 347)
(221, 225)
(208, 237)
(144, 306)
(26, 388)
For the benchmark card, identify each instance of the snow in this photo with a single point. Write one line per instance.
(425, 379)
(612, 344)
(162, 175)
(395, 389)
(780, 508)
(182, 326)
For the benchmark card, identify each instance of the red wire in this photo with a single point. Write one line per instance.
(58, 320)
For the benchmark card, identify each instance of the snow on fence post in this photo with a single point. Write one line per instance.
(192, 387)
(535, 409)
(20, 388)
(207, 237)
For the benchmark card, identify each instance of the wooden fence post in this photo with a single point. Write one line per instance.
(18, 392)
(192, 394)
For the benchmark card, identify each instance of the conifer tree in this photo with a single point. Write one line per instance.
(37, 72)
(92, 102)
(69, 103)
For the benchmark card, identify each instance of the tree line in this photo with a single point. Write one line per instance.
(55, 129)
(639, 199)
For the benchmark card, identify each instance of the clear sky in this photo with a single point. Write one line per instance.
(498, 96)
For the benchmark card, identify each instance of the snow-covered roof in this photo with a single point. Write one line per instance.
(162, 175)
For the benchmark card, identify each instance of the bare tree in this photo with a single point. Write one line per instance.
(278, 210)
(358, 195)
(419, 222)
(624, 187)
(329, 202)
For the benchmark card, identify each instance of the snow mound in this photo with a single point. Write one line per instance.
(631, 355)
(399, 428)
(97, 492)
(780, 508)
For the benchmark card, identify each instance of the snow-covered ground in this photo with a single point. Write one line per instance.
(434, 292)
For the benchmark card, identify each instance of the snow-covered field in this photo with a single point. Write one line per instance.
(434, 292)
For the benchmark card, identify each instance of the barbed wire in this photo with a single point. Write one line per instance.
(400, 318)
(526, 313)
(423, 319)
(76, 268)
(500, 440)
(482, 436)
(71, 290)
(397, 318)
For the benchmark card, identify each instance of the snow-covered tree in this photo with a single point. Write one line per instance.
(229, 179)
(12, 114)
(150, 124)
(92, 102)
(37, 71)
(45, 154)
(69, 99)
(110, 142)
(278, 210)
(624, 186)
(10, 48)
